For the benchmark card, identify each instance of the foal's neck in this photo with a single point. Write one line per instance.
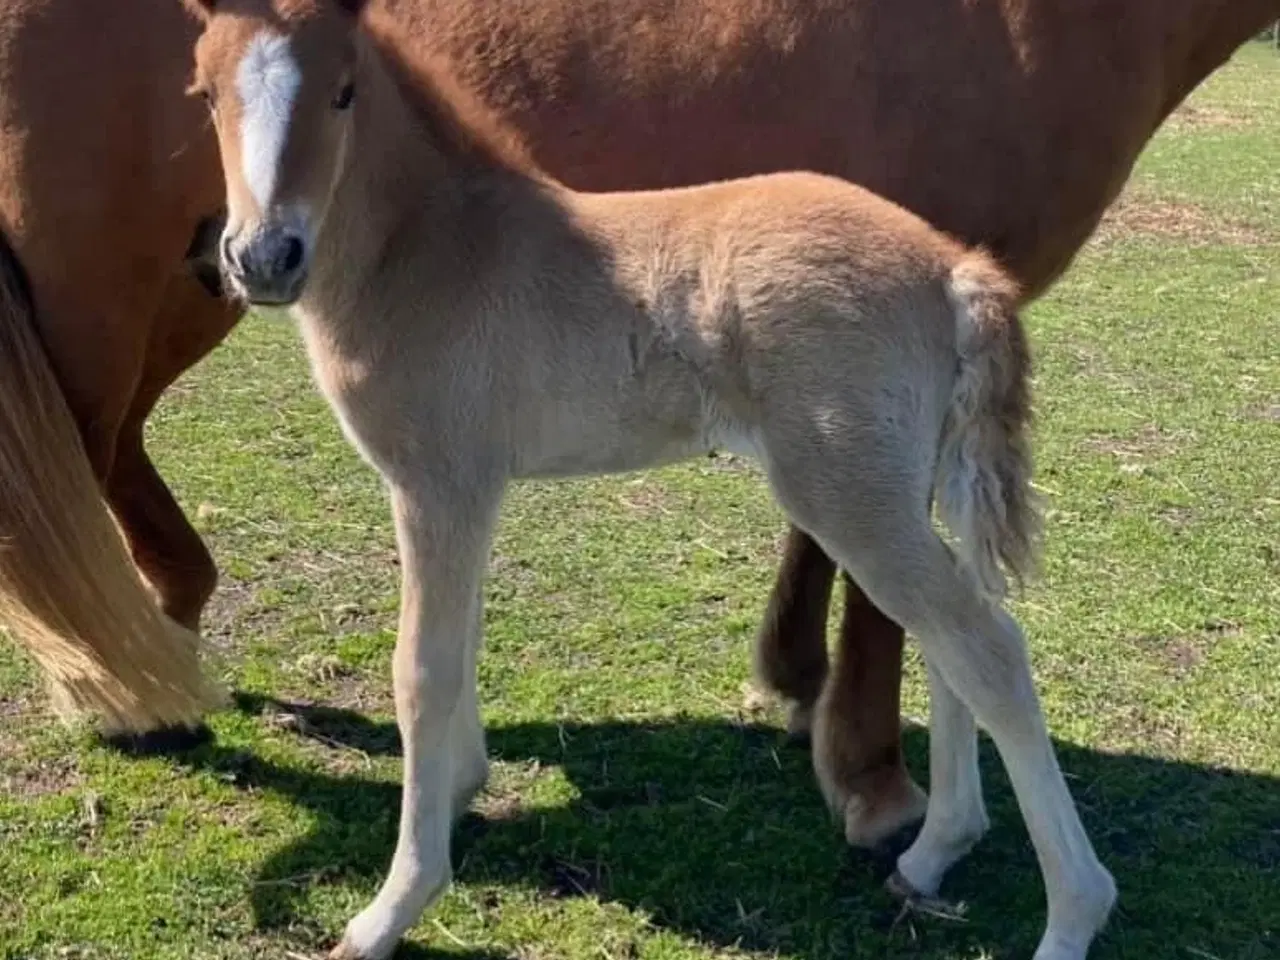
(425, 182)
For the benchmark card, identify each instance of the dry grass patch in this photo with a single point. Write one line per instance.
(1190, 117)
(1138, 214)
(1150, 443)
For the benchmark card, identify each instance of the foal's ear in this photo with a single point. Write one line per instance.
(202, 9)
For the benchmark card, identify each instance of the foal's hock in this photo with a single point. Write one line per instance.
(473, 322)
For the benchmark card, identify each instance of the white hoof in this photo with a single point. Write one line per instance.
(374, 933)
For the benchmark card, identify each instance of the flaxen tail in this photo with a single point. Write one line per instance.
(69, 591)
(983, 480)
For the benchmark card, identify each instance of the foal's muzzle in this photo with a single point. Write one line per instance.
(268, 264)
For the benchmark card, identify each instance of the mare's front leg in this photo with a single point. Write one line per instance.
(443, 541)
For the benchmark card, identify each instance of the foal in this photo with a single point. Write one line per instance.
(472, 322)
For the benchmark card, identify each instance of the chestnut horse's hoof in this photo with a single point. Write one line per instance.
(873, 819)
(159, 742)
(799, 722)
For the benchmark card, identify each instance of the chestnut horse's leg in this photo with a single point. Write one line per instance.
(791, 648)
(165, 546)
(858, 740)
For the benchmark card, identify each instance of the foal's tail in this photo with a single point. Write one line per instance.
(983, 480)
(69, 591)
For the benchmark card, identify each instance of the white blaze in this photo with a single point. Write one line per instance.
(267, 80)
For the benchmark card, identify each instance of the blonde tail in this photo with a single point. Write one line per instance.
(69, 591)
(983, 482)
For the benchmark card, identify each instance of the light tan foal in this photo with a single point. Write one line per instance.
(472, 322)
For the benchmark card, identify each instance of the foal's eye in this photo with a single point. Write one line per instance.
(345, 96)
(203, 93)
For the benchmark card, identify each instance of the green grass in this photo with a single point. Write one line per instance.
(642, 806)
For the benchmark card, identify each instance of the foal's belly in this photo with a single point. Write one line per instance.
(635, 433)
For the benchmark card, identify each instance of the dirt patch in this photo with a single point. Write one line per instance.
(1265, 411)
(23, 771)
(1182, 653)
(1194, 116)
(230, 610)
(1149, 443)
(562, 878)
(1137, 214)
(503, 797)
(1156, 732)
(22, 775)
(363, 694)
(722, 460)
(646, 498)
(1178, 517)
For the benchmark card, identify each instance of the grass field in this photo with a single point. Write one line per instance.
(643, 804)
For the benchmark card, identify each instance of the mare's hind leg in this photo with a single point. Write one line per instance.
(166, 548)
(791, 647)
(857, 737)
(979, 652)
(857, 740)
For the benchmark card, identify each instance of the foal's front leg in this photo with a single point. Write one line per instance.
(443, 544)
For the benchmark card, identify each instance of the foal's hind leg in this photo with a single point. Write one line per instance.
(957, 817)
(883, 537)
(980, 653)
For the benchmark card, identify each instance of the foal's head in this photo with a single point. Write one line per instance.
(279, 78)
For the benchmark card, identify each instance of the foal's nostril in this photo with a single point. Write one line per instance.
(292, 254)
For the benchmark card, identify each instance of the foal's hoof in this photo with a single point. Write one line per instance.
(158, 742)
(873, 821)
(345, 951)
(914, 901)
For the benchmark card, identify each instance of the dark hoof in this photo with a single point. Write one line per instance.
(160, 742)
(800, 739)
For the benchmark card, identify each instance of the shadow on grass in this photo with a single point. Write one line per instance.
(716, 831)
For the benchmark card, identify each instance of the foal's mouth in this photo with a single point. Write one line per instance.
(284, 292)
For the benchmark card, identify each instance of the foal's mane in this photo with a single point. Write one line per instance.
(455, 120)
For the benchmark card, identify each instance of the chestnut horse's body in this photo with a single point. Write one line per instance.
(1007, 122)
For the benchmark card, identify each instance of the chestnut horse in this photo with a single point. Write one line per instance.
(1011, 123)
(472, 322)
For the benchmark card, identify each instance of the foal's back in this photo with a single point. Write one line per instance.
(745, 265)
(671, 322)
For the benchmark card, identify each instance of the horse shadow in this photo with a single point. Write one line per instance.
(716, 832)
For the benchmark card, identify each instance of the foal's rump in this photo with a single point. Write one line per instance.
(891, 371)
